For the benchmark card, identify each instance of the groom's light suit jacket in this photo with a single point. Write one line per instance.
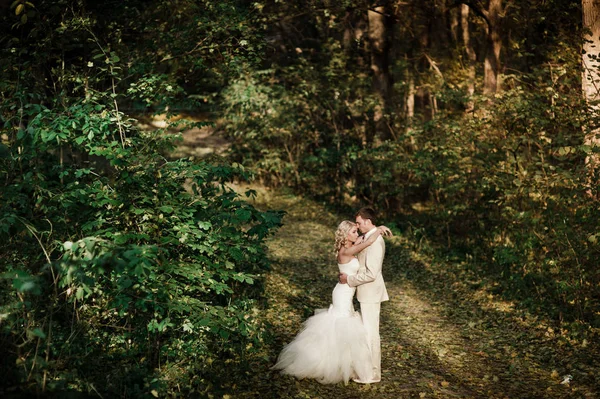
(368, 279)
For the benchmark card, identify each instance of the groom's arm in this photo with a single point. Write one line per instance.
(373, 264)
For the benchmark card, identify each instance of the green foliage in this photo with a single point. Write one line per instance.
(503, 185)
(295, 124)
(506, 190)
(158, 262)
(124, 273)
(118, 261)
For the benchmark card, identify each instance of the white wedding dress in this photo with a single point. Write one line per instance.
(332, 345)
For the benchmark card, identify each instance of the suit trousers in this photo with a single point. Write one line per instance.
(370, 317)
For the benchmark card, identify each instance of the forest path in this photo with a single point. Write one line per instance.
(444, 333)
(195, 141)
(442, 337)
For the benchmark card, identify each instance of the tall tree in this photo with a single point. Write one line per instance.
(379, 39)
(494, 15)
(590, 80)
(470, 51)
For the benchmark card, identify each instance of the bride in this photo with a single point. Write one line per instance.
(332, 345)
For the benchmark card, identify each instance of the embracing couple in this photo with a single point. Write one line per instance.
(339, 344)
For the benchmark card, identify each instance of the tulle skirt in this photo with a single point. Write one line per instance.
(330, 348)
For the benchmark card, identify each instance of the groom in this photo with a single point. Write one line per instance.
(370, 289)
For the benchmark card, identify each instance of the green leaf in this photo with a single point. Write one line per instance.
(243, 214)
(120, 239)
(204, 225)
(188, 326)
(224, 334)
(236, 253)
(36, 332)
(166, 209)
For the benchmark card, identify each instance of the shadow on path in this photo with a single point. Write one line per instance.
(435, 342)
(442, 337)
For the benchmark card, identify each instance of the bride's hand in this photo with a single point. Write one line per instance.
(385, 231)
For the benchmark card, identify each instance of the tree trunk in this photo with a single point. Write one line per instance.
(409, 105)
(379, 31)
(590, 80)
(471, 55)
(454, 25)
(494, 47)
(348, 39)
(355, 29)
(423, 99)
(410, 97)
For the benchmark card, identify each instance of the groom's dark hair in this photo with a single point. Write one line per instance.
(367, 213)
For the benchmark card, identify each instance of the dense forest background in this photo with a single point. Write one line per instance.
(126, 271)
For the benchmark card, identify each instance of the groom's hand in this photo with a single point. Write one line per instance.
(343, 278)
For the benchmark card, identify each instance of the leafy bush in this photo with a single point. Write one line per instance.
(504, 186)
(154, 264)
(507, 190)
(124, 273)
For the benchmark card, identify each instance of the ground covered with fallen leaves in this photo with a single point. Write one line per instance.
(444, 334)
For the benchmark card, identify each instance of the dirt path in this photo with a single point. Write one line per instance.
(444, 333)
(196, 141)
(441, 337)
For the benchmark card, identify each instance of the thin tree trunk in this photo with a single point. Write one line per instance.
(379, 32)
(590, 82)
(410, 97)
(423, 100)
(471, 55)
(355, 28)
(409, 107)
(494, 47)
(454, 24)
(433, 105)
(348, 39)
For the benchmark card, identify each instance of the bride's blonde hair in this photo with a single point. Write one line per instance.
(341, 234)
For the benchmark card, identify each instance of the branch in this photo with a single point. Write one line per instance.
(32, 231)
(114, 92)
(434, 66)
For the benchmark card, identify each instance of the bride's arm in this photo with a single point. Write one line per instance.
(385, 231)
(356, 248)
(359, 246)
